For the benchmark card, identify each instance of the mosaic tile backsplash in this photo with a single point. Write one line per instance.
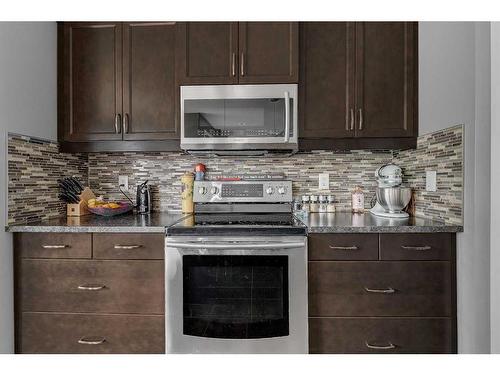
(441, 151)
(30, 161)
(34, 166)
(164, 170)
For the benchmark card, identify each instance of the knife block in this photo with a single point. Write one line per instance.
(80, 208)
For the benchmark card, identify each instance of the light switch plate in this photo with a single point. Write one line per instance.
(123, 182)
(430, 181)
(324, 181)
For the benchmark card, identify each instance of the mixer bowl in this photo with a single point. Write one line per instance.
(393, 199)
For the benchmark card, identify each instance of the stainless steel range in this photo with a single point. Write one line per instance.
(236, 272)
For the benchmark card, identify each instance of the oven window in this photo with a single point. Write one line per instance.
(235, 297)
(235, 118)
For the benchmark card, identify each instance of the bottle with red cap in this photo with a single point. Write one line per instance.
(199, 170)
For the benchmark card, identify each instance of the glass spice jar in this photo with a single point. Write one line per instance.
(331, 204)
(314, 205)
(323, 204)
(305, 205)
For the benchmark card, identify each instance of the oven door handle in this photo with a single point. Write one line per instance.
(242, 245)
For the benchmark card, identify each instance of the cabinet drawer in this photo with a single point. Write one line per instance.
(381, 335)
(107, 286)
(380, 289)
(75, 333)
(129, 246)
(416, 246)
(54, 245)
(343, 246)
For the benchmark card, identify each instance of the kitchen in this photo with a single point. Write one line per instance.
(347, 282)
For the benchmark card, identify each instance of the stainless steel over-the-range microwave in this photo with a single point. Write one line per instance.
(241, 118)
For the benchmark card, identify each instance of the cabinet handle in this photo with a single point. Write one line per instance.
(242, 64)
(388, 290)
(343, 247)
(117, 123)
(389, 346)
(125, 123)
(127, 247)
(91, 341)
(233, 64)
(54, 246)
(352, 120)
(418, 248)
(360, 119)
(91, 287)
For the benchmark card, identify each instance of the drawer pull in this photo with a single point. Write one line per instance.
(91, 341)
(91, 287)
(381, 291)
(389, 346)
(127, 247)
(55, 246)
(343, 247)
(418, 248)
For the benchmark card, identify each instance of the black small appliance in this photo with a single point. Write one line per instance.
(143, 199)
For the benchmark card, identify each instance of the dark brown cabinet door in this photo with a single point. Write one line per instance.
(326, 80)
(92, 81)
(386, 79)
(268, 52)
(208, 52)
(149, 86)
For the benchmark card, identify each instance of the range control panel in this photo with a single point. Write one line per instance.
(242, 191)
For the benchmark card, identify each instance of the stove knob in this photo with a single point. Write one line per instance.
(214, 190)
(202, 190)
(269, 190)
(281, 190)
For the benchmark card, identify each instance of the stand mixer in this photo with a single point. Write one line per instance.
(392, 198)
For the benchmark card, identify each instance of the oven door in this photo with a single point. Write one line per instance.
(239, 117)
(236, 295)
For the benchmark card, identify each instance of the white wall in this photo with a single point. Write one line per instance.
(28, 103)
(454, 89)
(495, 181)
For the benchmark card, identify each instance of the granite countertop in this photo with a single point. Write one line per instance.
(155, 222)
(341, 222)
(346, 222)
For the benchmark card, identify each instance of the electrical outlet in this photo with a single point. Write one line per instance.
(430, 181)
(324, 181)
(123, 182)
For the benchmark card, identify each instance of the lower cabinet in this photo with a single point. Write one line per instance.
(92, 333)
(381, 335)
(104, 293)
(382, 293)
(90, 293)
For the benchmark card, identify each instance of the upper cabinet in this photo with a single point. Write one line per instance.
(119, 85)
(92, 81)
(358, 85)
(326, 102)
(238, 52)
(208, 52)
(268, 52)
(386, 68)
(149, 87)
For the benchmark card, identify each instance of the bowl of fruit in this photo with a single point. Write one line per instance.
(100, 207)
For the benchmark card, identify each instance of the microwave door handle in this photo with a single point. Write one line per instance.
(287, 116)
(225, 246)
